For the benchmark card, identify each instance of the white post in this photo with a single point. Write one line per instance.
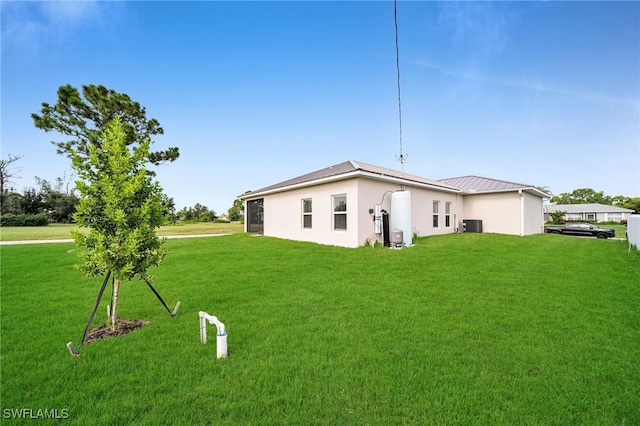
(221, 340)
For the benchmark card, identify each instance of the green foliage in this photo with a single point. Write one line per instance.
(31, 201)
(84, 119)
(557, 217)
(121, 205)
(10, 203)
(582, 196)
(197, 213)
(48, 199)
(631, 203)
(10, 219)
(236, 212)
(60, 205)
(170, 208)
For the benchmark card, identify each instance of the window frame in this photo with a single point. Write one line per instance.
(447, 214)
(339, 213)
(307, 214)
(436, 213)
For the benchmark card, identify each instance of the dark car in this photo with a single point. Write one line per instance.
(581, 229)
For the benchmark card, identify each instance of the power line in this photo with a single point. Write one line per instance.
(403, 157)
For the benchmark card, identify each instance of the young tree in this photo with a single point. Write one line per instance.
(557, 217)
(84, 120)
(122, 206)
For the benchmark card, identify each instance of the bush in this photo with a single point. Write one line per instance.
(219, 220)
(40, 219)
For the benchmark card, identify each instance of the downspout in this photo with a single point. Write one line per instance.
(521, 212)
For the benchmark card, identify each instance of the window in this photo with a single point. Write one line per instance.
(447, 215)
(340, 212)
(306, 213)
(617, 217)
(436, 207)
(591, 216)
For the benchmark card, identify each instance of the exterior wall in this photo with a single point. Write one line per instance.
(372, 192)
(633, 230)
(613, 216)
(499, 212)
(533, 214)
(506, 212)
(422, 211)
(283, 211)
(283, 214)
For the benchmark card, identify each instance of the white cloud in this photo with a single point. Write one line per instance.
(482, 27)
(539, 87)
(71, 12)
(29, 25)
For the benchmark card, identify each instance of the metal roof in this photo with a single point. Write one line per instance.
(479, 184)
(585, 208)
(348, 169)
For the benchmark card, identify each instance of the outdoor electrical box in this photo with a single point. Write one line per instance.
(472, 225)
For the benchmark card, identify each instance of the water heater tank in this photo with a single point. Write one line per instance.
(396, 237)
(401, 214)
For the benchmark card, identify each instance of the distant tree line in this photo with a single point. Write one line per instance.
(197, 213)
(38, 206)
(202, 213)
(56, 202)
(590, 196)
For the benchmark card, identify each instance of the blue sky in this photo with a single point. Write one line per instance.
(254, 93)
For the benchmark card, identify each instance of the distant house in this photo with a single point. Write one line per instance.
(340, 205)
(588, 212)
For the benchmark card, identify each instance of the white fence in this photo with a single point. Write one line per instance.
(633, 230)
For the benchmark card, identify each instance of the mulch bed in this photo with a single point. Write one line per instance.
(122, 327)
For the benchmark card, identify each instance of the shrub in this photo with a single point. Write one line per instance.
(40, 219)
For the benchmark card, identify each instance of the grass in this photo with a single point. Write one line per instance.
(459, 329)
(57, 231)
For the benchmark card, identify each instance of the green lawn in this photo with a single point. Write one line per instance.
(459, 329)
(57, 231)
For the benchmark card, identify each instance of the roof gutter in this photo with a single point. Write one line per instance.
(520, 190)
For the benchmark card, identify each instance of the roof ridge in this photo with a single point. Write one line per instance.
(525, 185)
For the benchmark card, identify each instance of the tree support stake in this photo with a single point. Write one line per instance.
(175, 310)
(70, 346)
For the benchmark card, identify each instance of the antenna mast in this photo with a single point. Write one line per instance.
(403, 157)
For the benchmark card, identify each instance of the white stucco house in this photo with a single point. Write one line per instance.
(341, 204)
(588, 212)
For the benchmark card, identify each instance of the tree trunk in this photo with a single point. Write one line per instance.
(114, 304)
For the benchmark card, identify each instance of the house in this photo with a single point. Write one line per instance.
(346, 204)
(588, 212)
